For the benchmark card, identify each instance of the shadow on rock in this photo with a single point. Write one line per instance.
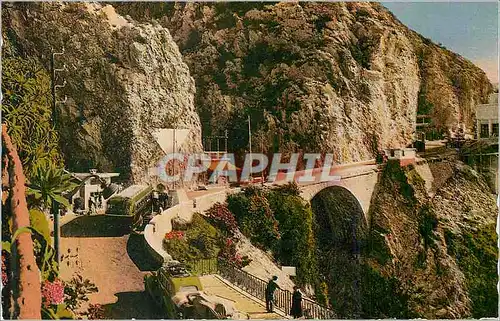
(96, 226)
(137, 305)
(138, 252)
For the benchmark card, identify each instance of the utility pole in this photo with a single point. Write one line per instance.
(55, 205)
(174, 160)
(262, 151)
(54, 86)
(218, 146)
(225, 143)
(250, 144)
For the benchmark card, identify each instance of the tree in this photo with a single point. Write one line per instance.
(255, 217)
(26, 286)
(48, 185)
(297, 244)
(26, 109)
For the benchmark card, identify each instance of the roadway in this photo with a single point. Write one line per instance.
(344, 171)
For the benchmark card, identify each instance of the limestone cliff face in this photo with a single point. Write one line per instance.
(439, 246)
(124, 80)
(346, 78)
(451, 86)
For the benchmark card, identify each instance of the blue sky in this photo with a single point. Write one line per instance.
(467, 28)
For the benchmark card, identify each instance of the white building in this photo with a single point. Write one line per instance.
(91, 186)
(405, 156)
(487, 118)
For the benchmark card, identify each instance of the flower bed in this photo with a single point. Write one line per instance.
(220, 216)
(200, 240)
(174, 235)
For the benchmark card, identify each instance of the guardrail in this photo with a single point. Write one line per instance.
(257, 287)
(203, 266)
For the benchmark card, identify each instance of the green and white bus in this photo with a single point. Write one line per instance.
(132, 205)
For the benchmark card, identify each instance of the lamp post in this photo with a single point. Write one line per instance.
(55, 206)
(54, 86)
(250, 145)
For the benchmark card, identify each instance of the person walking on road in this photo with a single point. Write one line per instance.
(296, 310)
(156, 203)
(91, 206)
(271, 287)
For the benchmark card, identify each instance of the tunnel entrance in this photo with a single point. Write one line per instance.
(340, 229)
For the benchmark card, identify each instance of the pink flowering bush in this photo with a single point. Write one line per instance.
(220, 216)
(229, 253)
(5, 278)
(52, 292)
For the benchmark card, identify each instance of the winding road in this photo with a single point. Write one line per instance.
(116, 262)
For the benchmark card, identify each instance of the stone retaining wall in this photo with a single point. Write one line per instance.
(161, 224)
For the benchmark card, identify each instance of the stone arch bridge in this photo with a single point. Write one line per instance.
(360, 184)
(357, 179)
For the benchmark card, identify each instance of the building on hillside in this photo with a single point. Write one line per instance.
(487, 118)
(425, 128)
(216, 149)
(91, 190)
(405, 156)
(482, 155)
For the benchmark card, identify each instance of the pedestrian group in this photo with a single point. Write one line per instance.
(296, 308)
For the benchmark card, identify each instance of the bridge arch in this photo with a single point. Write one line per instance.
(339, 213)
(361, 186)
(341, 229)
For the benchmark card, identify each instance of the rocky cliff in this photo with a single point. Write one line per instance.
(123, 80)
(346, 78)
(428, 248)
(439, 246)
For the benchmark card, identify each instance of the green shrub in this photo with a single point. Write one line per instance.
(381, 296)
(288, 189)
(281, 221)
(27, 111)
(201, 241)
(427, 225)
(255, 217)
(297, 244)
(477, 254)
(322, 294)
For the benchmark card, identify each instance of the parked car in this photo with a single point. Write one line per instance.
(180, 295)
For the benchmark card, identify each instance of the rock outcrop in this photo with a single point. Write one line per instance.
(346, 78)
(123, 81)
(440, 249)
